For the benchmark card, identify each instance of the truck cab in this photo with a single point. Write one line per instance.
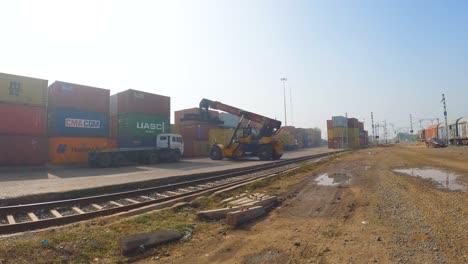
(170, 141)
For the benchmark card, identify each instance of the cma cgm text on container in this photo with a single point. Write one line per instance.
(16, 89)
(75, 123)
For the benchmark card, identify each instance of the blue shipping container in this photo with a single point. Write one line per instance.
(75, 123)
(136, 142)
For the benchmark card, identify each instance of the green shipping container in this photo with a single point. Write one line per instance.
(136, 125)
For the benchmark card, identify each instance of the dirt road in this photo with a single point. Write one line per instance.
(377, 217)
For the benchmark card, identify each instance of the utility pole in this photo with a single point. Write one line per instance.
(373, 127)
(284, 93)
(347, 134)
(291, 106)
(385, 131)
(411, 123)
(445, 115)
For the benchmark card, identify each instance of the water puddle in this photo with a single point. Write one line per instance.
(443, 179)
(332, 179)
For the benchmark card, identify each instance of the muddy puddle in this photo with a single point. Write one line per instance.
(333, 179)
(443, 179)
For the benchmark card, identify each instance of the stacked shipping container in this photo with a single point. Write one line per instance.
(346, 132)
(138, 117)
(22, 120)
(78, 121)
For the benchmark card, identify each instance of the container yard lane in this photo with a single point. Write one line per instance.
(17, 182)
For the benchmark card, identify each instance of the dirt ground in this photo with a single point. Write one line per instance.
(377, 217)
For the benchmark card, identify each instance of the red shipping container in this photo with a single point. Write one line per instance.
(329, 124)
(353, 123)
(23, 150)
(22, 120)
(361, 126)
(79, 97)
(137, 102)
(195, 131)
(431, 132)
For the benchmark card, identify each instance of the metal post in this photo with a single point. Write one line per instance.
(373, 127)
(445, 115)
(284, 93)
(411, 123)
(291, 106)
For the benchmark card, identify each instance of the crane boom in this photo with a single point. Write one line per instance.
(206, 104)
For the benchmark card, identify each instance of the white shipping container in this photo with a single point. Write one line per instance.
(339, 121)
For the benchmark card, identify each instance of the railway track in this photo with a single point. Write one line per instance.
(26, 217)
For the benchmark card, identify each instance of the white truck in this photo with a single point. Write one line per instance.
(169, 147)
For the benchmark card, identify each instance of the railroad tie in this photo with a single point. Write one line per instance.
(11, 219)
(97, 206)
(183, 190)
(78, 210)
(146, 197)
(131, 200)
(56, 213)
(172, 193)
(116, 203)
(33, 216)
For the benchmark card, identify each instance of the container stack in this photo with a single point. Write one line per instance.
(23, 138)
(346, 132)
(337, 132)
(78, 121)
(138, 117)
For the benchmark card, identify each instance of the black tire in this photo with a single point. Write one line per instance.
(105, 160)
(215, 153)
(153, 158)
(176, 155)
(265, 152)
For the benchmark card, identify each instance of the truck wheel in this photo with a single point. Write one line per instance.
(105, 160)
(215, 153)
(265, 153)
(153, 158)
(175, 156)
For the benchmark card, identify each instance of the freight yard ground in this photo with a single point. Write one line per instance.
(371, 215)
(18, 182)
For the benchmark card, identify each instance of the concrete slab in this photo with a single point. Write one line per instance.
(239, 217)
(19, 182)
(131, 243)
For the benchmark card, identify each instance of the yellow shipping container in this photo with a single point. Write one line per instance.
(22, 90)
(220, 136)
(353, 137)
(286, 137)
(74, 150)
(339, 132)
(330, 133)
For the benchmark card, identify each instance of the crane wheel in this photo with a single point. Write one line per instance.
(215, 153)
(265, 153)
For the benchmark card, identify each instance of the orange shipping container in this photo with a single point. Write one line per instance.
(74, 150)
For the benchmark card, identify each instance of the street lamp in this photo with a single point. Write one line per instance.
(284, 92)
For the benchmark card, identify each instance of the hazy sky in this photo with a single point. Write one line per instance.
(390, 57)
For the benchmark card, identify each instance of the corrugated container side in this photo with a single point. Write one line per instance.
(138, 102)
(113, 127)
(22, 120)
(201, 148)
(198, 131)
(353, 123)
(136, 142)
(175, 129)
(181, 113)
(75, 123)
(339, 132)
(329, 124)
(74, 150)
(23, 150)
(131, 125)
(230, 121)
(16, 89)
(79, 97)
(361, 126)
(431, 132)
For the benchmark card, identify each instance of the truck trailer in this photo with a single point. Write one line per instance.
(169, 148)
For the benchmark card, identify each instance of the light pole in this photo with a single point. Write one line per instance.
(284, 92)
